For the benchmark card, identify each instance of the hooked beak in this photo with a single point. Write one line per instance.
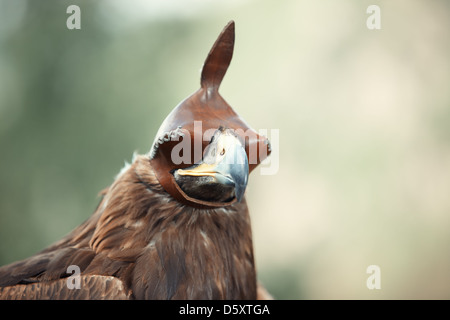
(225, 160)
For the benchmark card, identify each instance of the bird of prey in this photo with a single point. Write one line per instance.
(174, 224)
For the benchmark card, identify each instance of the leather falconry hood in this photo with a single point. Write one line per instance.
(196, 118)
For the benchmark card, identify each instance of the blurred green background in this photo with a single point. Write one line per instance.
(363, 118)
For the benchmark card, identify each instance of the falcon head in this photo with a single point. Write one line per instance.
(211, 173)
(222, 174)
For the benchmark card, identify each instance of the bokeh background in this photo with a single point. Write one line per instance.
(363, 118)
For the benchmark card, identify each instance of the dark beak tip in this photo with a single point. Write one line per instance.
(240, 191)
(238, 197)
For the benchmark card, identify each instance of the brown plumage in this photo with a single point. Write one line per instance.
(144, 240)
(148, 246)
